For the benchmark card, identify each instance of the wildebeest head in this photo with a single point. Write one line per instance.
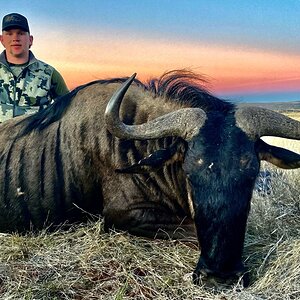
(221, 161)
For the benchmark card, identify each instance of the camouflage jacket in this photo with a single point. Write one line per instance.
(29, 92)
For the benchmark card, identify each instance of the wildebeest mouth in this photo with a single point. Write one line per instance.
(216, 279)
(214, 282)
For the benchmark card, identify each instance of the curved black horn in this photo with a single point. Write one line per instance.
(257, 122)
(185, 122)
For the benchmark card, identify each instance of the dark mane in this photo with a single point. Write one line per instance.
(185, 86)
(182, 86)
(54, 112)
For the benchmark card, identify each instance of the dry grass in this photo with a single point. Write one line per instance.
(86, 263)
(294, 114)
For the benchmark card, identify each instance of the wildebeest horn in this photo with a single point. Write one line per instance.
(185, 122)
(257, 122)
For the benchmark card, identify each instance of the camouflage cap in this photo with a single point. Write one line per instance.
(14, 20)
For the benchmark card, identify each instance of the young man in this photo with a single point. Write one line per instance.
(26, 84)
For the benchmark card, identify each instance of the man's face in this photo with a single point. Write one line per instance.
(16, 42)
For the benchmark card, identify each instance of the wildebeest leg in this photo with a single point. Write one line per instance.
(151, 220)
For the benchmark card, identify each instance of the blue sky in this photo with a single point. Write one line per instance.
(269, 24)
(270, 27)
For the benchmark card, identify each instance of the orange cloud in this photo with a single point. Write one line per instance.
(101, 56)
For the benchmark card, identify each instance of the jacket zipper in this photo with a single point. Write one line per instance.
(14, 96)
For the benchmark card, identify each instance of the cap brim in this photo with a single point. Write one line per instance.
(15, 27)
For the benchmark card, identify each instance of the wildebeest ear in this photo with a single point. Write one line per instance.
(155, 160)
(277, 156)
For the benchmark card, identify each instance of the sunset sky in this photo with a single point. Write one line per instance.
(248, 50)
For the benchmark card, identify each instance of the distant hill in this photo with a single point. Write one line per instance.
(278, 106)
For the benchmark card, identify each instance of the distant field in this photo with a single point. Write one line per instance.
(295, 115)
(278, 106)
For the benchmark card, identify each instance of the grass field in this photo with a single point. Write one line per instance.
(86, 263)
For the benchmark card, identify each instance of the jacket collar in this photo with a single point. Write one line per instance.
(4, 62)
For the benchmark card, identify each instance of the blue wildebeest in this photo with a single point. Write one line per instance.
(162, 159)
